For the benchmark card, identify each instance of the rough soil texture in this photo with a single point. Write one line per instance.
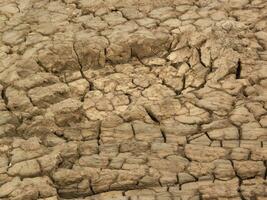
(133, 99)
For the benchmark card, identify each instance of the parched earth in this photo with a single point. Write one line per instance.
(133, 99)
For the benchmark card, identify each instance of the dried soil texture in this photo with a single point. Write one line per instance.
(133, 99)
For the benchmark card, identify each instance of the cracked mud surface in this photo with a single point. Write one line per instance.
(128, 99)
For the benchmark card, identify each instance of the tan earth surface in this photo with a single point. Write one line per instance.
(133, 99)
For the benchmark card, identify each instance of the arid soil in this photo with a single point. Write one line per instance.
(133, 99)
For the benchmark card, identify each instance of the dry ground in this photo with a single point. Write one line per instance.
(133, 100)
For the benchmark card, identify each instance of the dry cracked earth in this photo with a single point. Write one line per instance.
(133, 99)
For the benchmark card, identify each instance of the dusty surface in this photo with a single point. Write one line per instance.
(129, 100)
